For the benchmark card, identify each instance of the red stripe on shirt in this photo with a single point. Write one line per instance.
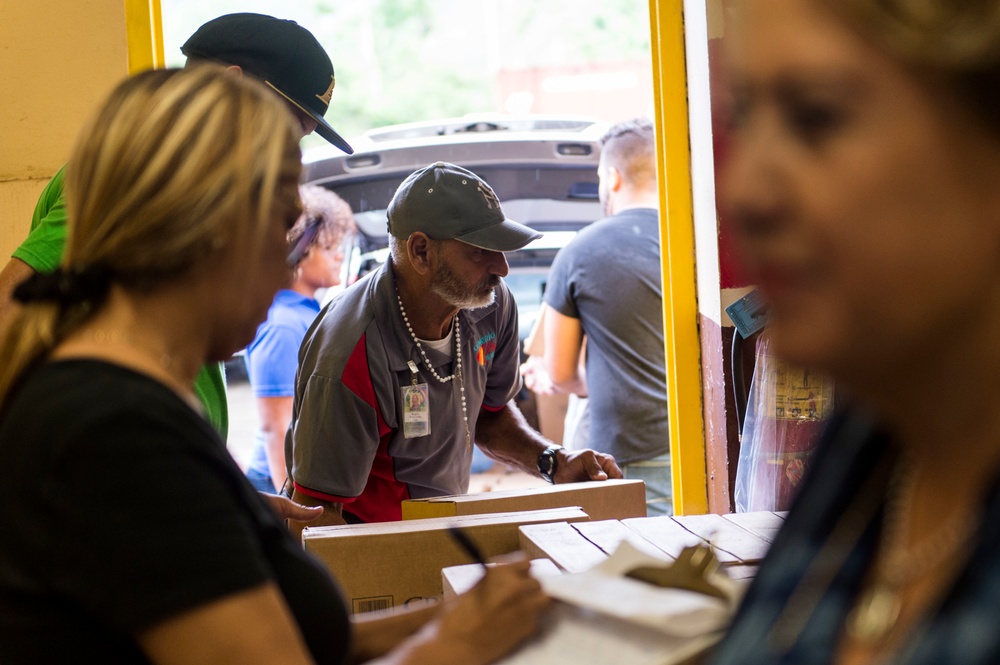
(322, 495)
(380, 500)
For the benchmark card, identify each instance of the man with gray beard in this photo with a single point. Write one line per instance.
(408, 368)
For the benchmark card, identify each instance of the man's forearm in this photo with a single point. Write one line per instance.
(575, 384)
(507, 437)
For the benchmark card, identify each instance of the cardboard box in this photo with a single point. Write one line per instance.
(762, 524)
(664, 533)
(727, 537)
(459, 579)
(578, 547)
(394, 564)
(601, 500)
(561, 543)
(733, 543)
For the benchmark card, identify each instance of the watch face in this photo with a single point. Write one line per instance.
(547, 464)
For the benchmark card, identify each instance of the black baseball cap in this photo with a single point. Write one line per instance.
(282, 54)
(448, 202)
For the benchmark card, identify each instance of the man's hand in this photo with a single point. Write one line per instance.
(289, 510)
(580, 465)
(330, 514)
(535, 377)
(506, 437)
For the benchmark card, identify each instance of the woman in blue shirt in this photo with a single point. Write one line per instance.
(315, 259)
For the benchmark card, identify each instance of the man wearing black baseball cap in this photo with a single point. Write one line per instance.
(282, 54)
(409, 367)
(286, 58)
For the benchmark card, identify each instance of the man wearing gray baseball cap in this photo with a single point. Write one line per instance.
(405, 370)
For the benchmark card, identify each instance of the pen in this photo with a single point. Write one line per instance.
(466, 544)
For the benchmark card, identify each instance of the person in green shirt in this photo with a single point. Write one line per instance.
(290, 61)
(42, 250)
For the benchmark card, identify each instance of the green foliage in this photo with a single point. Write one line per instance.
(408, 60)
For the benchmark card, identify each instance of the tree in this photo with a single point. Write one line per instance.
(408, 60)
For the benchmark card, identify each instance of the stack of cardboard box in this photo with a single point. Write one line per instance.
(601, 500)
(740, 541)
(395, 564)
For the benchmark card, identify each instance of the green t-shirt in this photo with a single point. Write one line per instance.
(42, 250)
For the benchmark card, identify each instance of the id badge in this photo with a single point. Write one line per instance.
(416, 411)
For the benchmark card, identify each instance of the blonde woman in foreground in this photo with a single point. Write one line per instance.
(130, 535)
(864, 182)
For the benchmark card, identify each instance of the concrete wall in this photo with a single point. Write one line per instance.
(60, 58)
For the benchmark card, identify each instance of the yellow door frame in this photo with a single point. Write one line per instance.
(144, 30)
(677, 249)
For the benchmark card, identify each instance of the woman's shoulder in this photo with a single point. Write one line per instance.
(75, 395)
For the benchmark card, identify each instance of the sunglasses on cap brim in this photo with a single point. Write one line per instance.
(304, 242)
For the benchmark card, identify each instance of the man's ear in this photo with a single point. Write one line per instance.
(614, 179)
(418, 251)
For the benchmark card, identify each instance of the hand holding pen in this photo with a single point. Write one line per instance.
(505, 605)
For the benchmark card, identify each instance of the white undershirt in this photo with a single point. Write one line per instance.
(441, 345)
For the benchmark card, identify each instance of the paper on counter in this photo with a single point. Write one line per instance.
(573, 635)
(606, 590)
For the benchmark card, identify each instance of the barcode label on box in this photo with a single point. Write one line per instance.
(373, 604)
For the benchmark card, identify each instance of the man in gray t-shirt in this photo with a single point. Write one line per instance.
(606, 284)
(404, 371)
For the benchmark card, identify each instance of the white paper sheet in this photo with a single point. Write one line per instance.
(606, 590)
(574, 635)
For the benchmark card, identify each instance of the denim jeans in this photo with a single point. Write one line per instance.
(261, 482)
(655, 473)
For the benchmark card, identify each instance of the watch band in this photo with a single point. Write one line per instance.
(548, 463)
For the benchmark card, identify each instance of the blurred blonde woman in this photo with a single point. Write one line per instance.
(864, 182)
(129, 534)
(315, 259)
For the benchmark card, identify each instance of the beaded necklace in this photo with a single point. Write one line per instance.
(875, 612)
(427, 363)
(878, 607)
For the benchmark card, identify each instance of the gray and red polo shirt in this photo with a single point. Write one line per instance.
(345, 443)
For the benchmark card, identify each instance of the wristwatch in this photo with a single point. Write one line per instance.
(548, 463)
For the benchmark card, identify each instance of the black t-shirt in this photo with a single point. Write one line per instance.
(120, 508)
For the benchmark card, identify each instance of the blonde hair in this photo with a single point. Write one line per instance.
(956, 42)
(174, 166)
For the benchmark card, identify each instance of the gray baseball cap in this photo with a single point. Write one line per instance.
(448, 202)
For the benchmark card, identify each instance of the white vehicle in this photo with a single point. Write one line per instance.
(542, 168)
